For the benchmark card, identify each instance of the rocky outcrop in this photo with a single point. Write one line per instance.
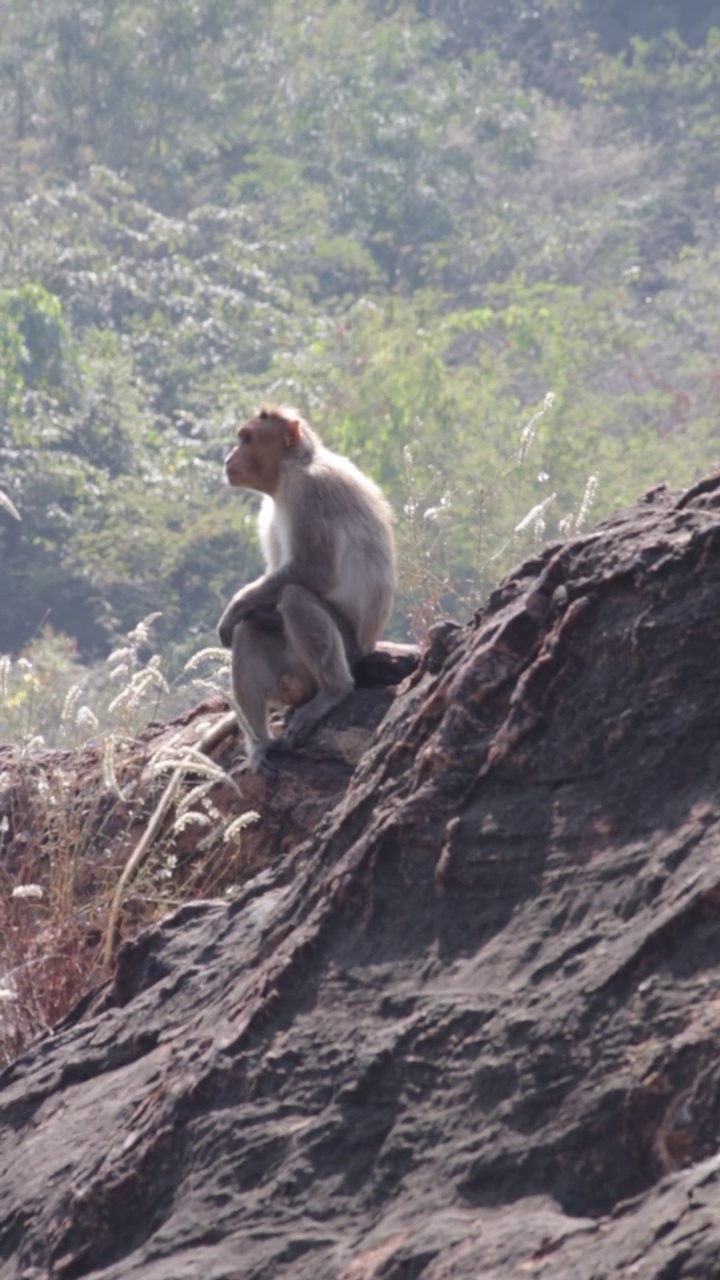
(467, 1027)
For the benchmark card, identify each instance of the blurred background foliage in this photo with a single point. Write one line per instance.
(414, 220)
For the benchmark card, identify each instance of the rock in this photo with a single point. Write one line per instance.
(387, 665)
(468, 1025)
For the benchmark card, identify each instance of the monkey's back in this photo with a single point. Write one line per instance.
(356, 526)
(336, 520)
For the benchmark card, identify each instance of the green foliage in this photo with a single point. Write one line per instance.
(617, 21)
(35, 347)
(388, 213)
(669, 92)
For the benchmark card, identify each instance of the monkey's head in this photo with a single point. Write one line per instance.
(266, 444)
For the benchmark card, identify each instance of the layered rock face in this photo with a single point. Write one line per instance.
(470, 1025)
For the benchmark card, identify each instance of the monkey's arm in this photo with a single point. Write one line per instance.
(265, 593)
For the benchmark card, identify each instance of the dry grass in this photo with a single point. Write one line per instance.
(70, 819)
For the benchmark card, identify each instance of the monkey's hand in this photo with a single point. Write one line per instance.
(225, 626)
(241, 606)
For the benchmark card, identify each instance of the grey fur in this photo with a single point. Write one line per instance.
(326, 531)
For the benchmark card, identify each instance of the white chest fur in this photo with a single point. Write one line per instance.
(275, 539)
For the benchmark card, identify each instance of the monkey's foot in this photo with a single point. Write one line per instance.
(259, 759)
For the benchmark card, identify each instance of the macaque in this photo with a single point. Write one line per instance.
(326, 533)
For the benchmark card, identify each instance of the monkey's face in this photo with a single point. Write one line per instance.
(264, 443)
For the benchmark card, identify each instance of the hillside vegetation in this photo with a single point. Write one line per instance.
(414, 221)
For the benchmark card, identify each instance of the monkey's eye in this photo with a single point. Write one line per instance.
(245, 436)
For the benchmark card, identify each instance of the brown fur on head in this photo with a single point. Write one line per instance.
(285, 412)
(265, 444)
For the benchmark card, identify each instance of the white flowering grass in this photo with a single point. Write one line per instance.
(28, 891)
(8, 505)
(69, 823)
(535, 518)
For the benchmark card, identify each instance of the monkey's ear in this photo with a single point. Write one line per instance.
(292, 433)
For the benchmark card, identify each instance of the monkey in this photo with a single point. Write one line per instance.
(326, 532)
